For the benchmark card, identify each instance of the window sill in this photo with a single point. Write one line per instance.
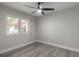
(21, 33)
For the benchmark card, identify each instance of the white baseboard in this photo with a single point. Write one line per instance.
(52, 44)
(10, 49)
(60, 46)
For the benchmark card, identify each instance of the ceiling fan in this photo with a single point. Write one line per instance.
(40, 9)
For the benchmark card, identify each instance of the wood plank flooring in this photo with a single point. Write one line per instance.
(42, 50)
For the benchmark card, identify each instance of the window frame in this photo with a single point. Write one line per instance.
(19, 32)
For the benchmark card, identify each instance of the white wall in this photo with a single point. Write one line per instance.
(61, 28)
(11, 41)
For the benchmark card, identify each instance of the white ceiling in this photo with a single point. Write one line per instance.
(57, 5)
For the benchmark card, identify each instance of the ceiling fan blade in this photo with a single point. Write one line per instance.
(46, 9)
(30, 6)
(43, 13)
(33, 12)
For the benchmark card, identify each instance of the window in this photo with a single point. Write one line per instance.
(23, 26)
(14, 25)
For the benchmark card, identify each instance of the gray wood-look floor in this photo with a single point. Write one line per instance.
(42, 50)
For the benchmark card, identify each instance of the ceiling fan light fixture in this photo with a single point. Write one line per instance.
(39, 11)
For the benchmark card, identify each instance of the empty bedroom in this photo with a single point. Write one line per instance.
(39, 29)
